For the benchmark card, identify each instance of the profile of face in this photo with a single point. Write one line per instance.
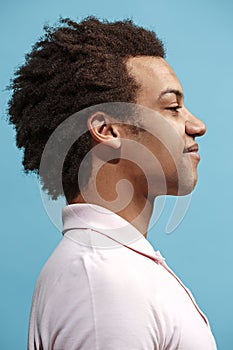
(176, 148)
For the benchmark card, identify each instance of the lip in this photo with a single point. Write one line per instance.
(192, 148)
(192, 151)
(194, 155)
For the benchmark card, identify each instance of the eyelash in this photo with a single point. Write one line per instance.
(174, 109)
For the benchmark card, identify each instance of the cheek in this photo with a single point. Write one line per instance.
(162, 170)
(165, 140)
(178, 125)
(168, 151)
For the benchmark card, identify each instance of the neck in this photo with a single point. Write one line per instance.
(115, 191)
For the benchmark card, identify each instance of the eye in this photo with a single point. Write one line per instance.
(174, 109)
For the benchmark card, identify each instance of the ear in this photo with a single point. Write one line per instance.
(102, 129)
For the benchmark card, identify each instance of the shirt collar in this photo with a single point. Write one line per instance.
(106, 229)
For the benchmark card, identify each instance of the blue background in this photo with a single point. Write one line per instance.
(198, 37)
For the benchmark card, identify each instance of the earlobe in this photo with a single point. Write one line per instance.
(102, 129)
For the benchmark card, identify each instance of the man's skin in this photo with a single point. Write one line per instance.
(161, 91)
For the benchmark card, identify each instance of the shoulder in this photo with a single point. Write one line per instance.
(114, 294)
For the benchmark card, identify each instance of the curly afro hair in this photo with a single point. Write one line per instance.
(73, 66)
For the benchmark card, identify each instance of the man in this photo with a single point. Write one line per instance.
(105, 287)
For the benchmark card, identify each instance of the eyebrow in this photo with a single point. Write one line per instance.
(172, 91)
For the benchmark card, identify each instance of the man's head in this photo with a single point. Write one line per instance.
(80, 65)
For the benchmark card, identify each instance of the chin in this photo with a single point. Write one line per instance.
(184, 186)
(187, 186)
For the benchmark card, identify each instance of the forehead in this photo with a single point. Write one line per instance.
(153, 74)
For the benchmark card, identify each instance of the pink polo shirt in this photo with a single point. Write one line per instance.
(105, 288)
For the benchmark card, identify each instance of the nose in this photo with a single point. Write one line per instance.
(194, 126)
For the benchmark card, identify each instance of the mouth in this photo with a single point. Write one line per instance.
(192, 151)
